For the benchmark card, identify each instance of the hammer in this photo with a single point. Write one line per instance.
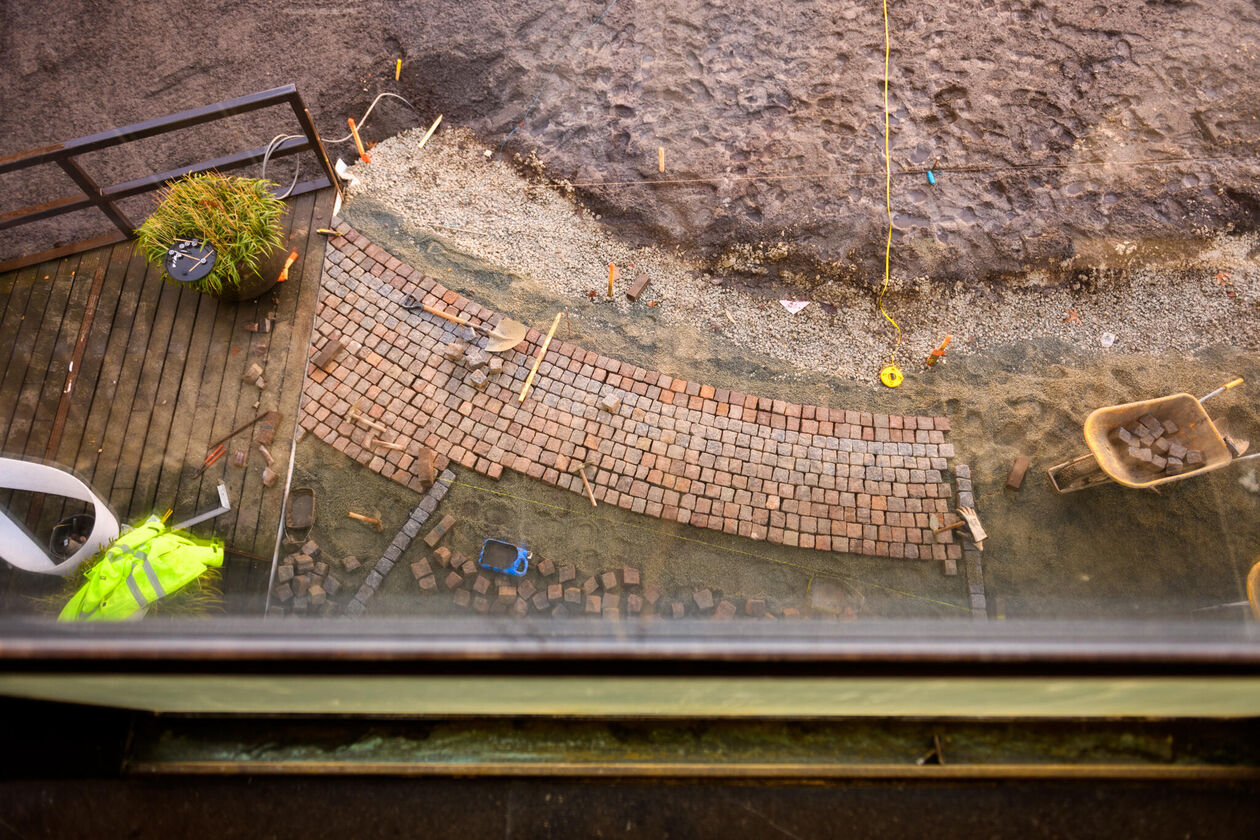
(368, 520)
(580, 469)
(371, 442)
(356, 416)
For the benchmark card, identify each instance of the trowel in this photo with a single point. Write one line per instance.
(500, 338)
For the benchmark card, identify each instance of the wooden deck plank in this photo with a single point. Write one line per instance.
(38, 366)
(235, 405)
(245, 532)
(158, 445)
(125, 278)
(110, 465)
(16, 299)
(292, 343)
(30, 325)
(180, 454)
(142, 448)
(245, 486)
(90, 380)
(46, 511)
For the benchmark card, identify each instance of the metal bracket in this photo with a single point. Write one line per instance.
(224, 506)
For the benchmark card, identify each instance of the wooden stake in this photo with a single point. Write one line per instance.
(660, 157)
(542, 351)
(429, 133)
(358, 143)
(397, 69)
(612, 272)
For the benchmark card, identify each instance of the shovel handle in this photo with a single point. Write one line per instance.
(1231, 384)
(454, 319)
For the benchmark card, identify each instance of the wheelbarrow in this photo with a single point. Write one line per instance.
(1116, 453)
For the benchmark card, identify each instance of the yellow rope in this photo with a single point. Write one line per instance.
(892, 358)
(660, 533)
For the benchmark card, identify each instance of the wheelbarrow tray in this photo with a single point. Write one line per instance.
(1196, 431)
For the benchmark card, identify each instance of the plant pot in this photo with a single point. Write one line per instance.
(256, 283)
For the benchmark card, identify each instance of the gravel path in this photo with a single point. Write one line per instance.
(485, 208)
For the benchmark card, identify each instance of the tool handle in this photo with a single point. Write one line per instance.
(542, 351)
(454, 319)
(1231, 384)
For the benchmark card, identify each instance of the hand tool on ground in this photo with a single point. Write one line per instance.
(288, 263)
(978, 536)
(373, 442)
(215, 454)
(429, 133)
(358, 143)
(542, 351)
(242, 428)
(937, 528)
(580, 469)
(369, 520)
(356, 416)
(500, 338)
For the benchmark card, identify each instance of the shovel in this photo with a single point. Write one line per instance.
(501, 338)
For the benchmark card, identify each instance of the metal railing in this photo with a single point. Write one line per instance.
(106, 198)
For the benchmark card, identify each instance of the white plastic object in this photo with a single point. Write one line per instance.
(18, 548)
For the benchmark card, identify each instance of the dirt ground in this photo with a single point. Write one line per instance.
(1049, 125)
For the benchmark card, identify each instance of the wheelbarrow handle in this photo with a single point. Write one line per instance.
(1231, 384)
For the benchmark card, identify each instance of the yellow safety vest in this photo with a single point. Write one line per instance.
(143, 565)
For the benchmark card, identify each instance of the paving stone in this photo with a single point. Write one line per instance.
(421, 568)
(462, 598)
(568, 572)
(349, 563)
(643, 458)
(284, 574)
(703, 599)
(630, 576)
(593, 604)
(545, 567)
(608, 580)
(725, 611)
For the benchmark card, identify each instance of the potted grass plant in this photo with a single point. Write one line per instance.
(229, 224)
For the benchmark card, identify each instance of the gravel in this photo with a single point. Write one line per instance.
(486, 208)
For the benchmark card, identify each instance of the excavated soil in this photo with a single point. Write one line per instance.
(1050, 127)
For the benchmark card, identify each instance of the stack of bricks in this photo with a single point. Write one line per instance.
(304, 584)
(1153, 444)
(561, 590)
(402, 540)
(766, 469)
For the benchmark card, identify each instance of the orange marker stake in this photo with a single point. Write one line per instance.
(660, 157)
(288, 263)
(612, 272)
(397, 69)
(363, 155)
(935, 355)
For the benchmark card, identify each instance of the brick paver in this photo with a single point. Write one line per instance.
(802, 475)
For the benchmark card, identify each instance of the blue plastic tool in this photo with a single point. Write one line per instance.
(503, 557)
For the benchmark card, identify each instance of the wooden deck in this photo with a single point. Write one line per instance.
(125, 379)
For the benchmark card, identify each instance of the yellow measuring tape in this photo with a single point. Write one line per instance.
(891, 375)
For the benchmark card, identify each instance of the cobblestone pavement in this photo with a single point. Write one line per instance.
(801, 475)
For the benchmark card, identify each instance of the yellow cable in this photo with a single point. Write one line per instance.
(888, 193)
(806, 569)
